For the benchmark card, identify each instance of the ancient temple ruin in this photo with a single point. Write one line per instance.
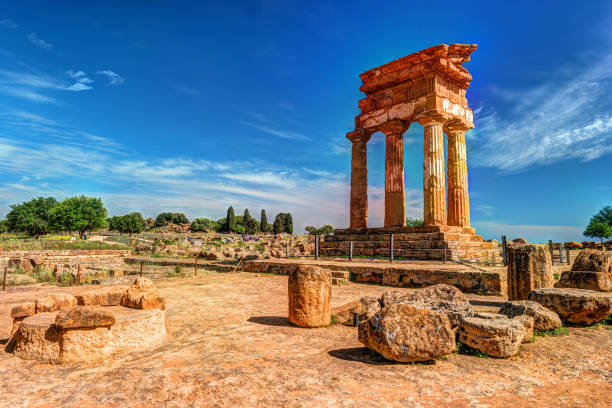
(427, 87)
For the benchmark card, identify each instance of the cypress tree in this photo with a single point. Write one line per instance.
(279, 223)
(246, 217)
(288, 223)
(230, 220)
(263, 223)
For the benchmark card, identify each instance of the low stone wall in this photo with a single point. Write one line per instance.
(484, 282)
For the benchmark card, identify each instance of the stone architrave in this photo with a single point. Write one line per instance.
(458, 197)
(529, 268)
(434, 184)
(359, 178)
(395, 196)
(309, 290)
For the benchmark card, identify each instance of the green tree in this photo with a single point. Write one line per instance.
(170, 218)
(230, 220)
(597, 229)
(133, 223)
(31, 217)
(278, 226)
(3, 226)
(263, 223)
(78, 214)
(288, 223)
(204, 224)
(414, 222)
(324, 230)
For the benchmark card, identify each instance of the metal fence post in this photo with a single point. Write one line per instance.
(287, 250)
(317, 243)
(351, 251)
(505, 250)
(4, 280)
(391, 248)
(196, 266)
(561, 260)
(141, 264)
(552, 253)
(567, 255)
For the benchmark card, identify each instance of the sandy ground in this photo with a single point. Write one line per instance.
(231, 345)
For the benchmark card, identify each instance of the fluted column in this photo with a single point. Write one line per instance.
(458, 197)
(359, 178)
(434, 184)
(395, 198)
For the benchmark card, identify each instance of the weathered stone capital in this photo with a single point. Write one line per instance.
(359, 135)
(456, 126)
(432, 120)
(394, 127)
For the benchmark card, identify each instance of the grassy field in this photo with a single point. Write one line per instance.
(10, 242)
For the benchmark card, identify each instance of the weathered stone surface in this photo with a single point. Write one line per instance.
(359, 178)
(104, 296)
(395, 202)
(585, 280)
(529, 267)
(23, 309)
(441, 298)
(519, 241)
(54, 302)
(573, 245)
(434, 184)
(84, 317)
(458, 196)
(38, 338)
(309, 291)
(143, 295)
(402, 332)
(495, 337)
(527, 322)
(365, 308)
(24, 264)
(370, 306)
(544, 319)
(593, 260)
(576, 306)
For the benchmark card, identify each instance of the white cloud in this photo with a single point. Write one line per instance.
(113, 78)
(7, 23)
(33, 38)
(285, 134)
(24, 93)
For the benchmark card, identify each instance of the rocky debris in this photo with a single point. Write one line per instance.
(23, 309)
(446, 299)
(143, 295)
(519, 241)
(54, 302)
(38, 338)
(370, 305)
(594, 261)
(585, 280)
(84, 317)
(544, 319)
(402, 332)
(576, 306)
(495, 337)
(572, 245)
(345, 314)
(104, 296)
(529, 267)
(24, 264)
(309, 291)
(528, 323)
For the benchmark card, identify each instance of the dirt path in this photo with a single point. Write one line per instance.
(231, 346)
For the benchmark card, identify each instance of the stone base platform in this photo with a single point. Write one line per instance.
(426, 242)
(134, 330)
(415, 274)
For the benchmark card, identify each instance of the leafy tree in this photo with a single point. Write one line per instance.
(263, 223)
(133, 223)
(288, 223)
(604, 215)
(221, 224)
(230, 220)
(597, 229)
(239, 229)
(170, 218)
(204, 224)
(278, 226)
(32, 217)
(324, 230)
(250, 224)
(414, 222)
(78, 214)
(3, 226)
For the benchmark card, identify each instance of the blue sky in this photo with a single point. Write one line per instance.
(177, 106)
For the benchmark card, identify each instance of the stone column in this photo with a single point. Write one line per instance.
(529, 268)
(458, 197)
(359, 178)
(395, 198)
(434, 184)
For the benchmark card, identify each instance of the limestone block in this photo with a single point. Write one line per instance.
(84, 317)
(593, 260)
(402, 332)
(544, 319)
(528, 323)
(529, 268)
(23, 309)
(143, 295)
(309, 290)
(104, 296)
(585, 280)
(576, 306)
(495, 337)
(54, 302)
(38, 338)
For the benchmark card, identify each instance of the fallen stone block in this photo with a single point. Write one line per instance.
(402, 332)
(585, 280)
(593, 260)
(23, 309)
(544, 319)
(143, 295)
(529, 267)
(576, 306)
(495, 337)
(309, 290)
(84, 317)
(105, 296)
(38, 338)
(54, 302)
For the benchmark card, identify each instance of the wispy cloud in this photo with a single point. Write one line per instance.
(566, 118)
(7, 23)
(113, 78)
(285, 134)
(82, 81)
(184, 89)
(33, 38)
(23, 93)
